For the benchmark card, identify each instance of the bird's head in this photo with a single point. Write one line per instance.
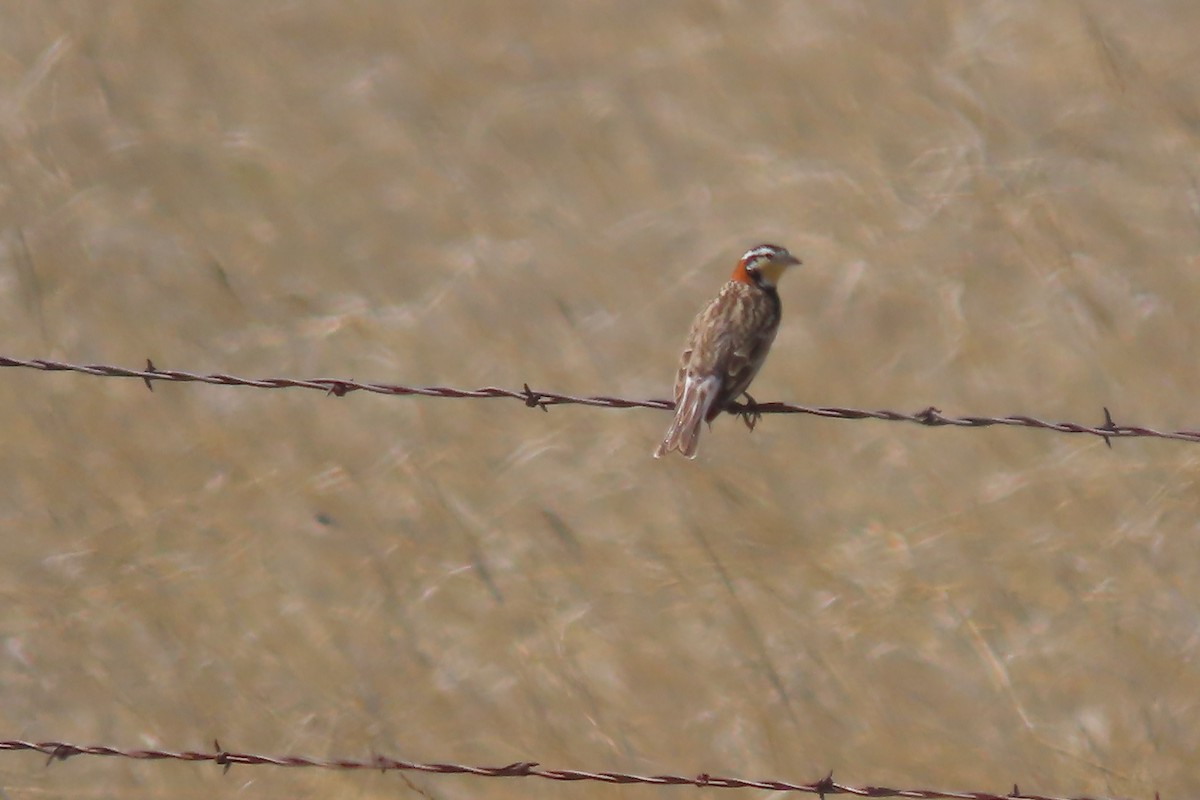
(762, 265)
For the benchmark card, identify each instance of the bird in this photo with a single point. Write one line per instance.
(727, 345)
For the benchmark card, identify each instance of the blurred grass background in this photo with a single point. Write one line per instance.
(998, 208)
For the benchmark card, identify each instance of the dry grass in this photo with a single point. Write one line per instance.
(997, 204)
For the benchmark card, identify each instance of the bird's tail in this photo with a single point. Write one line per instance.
(690, 411)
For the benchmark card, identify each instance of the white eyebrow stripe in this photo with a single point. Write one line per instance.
(762, 250)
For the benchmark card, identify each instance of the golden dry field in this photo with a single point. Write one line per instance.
(998, 206)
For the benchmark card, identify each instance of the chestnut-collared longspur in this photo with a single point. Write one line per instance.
(727, 345)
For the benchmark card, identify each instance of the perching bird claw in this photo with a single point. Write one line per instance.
(748, 412)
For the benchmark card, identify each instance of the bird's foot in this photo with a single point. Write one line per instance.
(748, 411)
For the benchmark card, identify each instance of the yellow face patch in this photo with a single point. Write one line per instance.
(773, 269)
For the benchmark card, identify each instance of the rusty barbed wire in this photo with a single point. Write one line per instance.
(60, 751)
(339, 387)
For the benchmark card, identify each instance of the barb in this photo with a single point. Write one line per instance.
(60, 751)
(930, 417)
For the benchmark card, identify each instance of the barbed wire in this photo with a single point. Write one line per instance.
(339, 387)
(60, 751)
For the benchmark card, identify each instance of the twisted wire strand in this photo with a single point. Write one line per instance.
(339, 387)
(60, 751)
(57, 750)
